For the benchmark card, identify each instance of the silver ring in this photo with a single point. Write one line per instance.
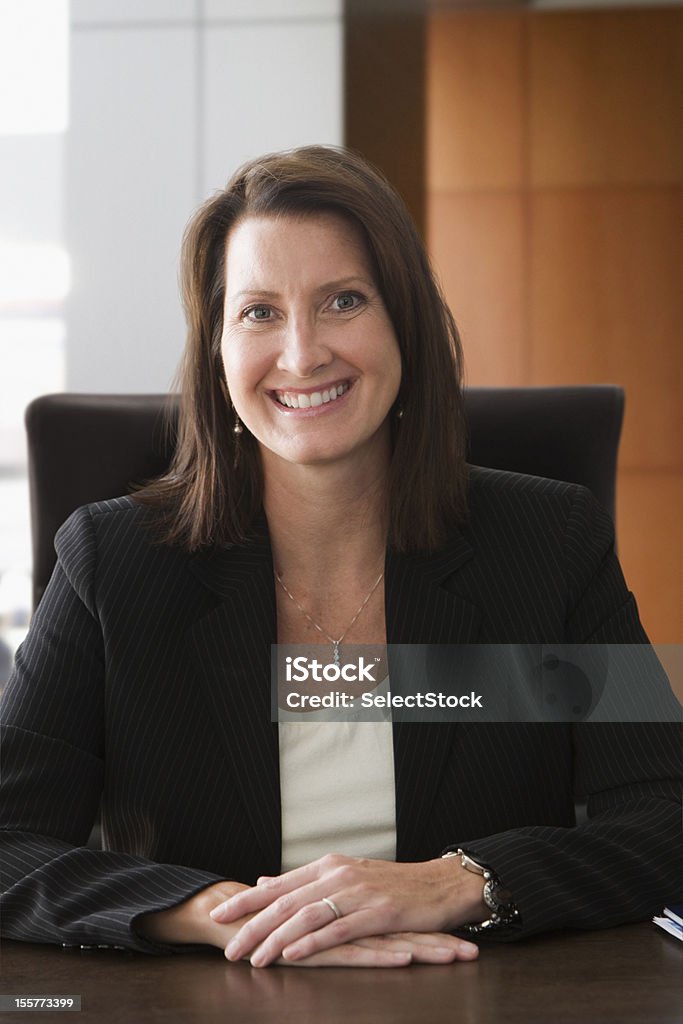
(332, 905)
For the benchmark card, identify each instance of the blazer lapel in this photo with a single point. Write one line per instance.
(421, 610)
(232, 643)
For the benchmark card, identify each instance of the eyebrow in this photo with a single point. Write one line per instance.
(328, 286)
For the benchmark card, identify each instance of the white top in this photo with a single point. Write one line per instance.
(337, 790)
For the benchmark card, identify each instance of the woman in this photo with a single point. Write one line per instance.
(320, 495)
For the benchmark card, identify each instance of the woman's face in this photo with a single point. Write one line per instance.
(310, 355)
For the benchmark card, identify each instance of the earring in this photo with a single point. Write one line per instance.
(399, 413)
(237, 431)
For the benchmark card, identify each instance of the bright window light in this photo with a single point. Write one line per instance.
(32, 273)
(33, 66)
(32, 356)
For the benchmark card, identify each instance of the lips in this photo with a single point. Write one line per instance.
(311, 399)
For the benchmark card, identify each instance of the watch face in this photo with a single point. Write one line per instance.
(497, 898)
(488, 896)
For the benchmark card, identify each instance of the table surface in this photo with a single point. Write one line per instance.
(627, 975)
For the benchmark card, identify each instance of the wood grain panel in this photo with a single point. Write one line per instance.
(671, 657)
(384, 102)
(606, 305)
(651, 548)
(476, 244)
(605, 93)
(572, 275)
(475, 100)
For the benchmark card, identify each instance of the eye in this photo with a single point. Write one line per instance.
(346, 301)
(257, 314)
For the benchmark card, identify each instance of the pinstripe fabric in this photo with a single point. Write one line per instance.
(144, 682)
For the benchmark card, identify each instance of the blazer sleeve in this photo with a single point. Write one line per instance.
(626, 860)
(54, 888)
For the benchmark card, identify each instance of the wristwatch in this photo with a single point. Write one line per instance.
(504, 910)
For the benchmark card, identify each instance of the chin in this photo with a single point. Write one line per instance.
(317, 450)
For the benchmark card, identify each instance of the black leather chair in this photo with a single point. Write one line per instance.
(84, 448)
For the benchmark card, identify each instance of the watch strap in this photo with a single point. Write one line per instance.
(504, 911)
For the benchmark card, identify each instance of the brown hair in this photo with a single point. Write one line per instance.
(211, 495)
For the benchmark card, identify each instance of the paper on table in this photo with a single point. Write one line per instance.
(675, 912)
(670, 926)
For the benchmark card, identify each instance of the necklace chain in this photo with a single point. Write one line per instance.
(335, 642)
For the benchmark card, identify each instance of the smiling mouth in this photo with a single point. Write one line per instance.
(311, 399)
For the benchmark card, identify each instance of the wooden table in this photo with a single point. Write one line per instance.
(626, 975)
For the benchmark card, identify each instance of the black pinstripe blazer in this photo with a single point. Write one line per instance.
(145, 683)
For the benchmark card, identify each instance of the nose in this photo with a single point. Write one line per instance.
(303, 349)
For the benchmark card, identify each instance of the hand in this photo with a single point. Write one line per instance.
(190, 923)
(288, 918)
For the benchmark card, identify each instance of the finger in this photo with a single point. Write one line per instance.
(297, 940)
(248, 902)
(305, 902)
(436, 950)
(418, 946)
(352, 955)
(296, 877)
(269, 887)
(267, 890)
(312, 919)
(433, 939)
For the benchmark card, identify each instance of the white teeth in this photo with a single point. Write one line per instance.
(315, 399)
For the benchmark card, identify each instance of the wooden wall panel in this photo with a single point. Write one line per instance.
(555, 215)
(568, 330)
(605, 92)
(477, 246)
(651, 548)
(475, 89)
(384, 103)
(671, 657)
(606, 301)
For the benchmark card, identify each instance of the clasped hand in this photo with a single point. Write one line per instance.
(390, 914)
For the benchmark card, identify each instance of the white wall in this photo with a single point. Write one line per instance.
(167, 98)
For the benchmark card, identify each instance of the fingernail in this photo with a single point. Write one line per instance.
(403, 955)
(468, 948)
(232, 950)
(217, 911)
(257, 960)
(290, 953)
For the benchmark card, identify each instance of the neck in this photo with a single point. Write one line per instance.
(327, 519)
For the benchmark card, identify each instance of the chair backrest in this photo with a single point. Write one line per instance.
(84, 448)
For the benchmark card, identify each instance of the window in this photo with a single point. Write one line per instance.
(34, 270)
